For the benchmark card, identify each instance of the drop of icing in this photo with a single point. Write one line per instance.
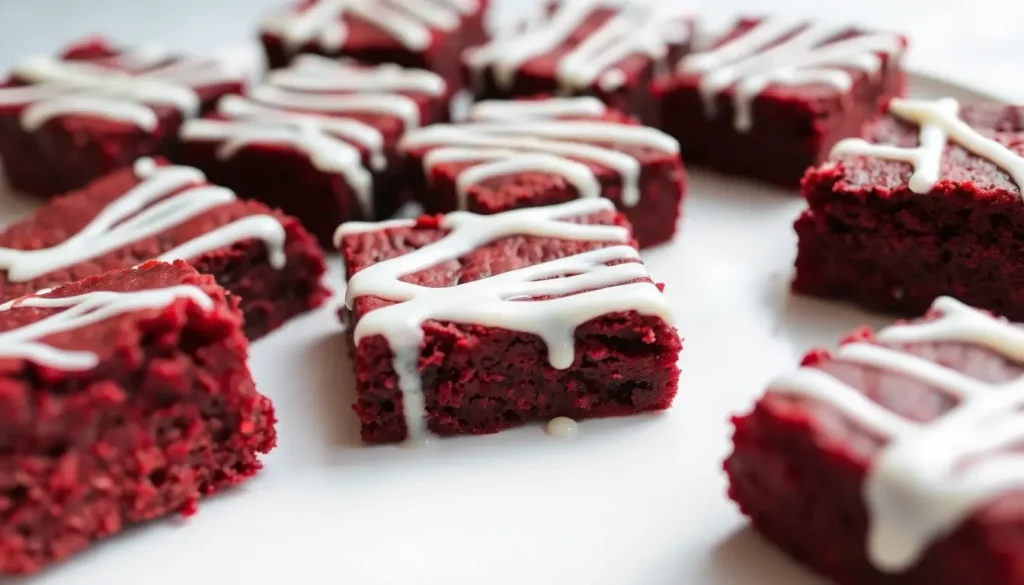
(562, 427)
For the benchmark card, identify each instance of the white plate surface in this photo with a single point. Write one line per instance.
(637, 500)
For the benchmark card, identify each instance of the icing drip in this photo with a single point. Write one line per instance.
(410, 22)
(122, 90)
(81, 311)
(295, 108)
(583, 287)
(779, 51)
(562, 427)
(526, 135)
(939, 122)
(930, 476)
(167, 197)
(641, 29)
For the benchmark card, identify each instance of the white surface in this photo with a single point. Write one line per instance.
(631, 500)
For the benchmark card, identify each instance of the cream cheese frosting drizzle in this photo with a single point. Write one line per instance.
(783, 51)
(583, 287)
(311, 73)
(643, 28)
(409, 22)
(931, 475)
(309, 107)
(166, 197)
(939, 123)
(80, 311)
(125, 88)
(530, 136)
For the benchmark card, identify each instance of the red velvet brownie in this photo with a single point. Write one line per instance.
(97, 108)
(470, 324)
(155, 211)
(318, 139)
(421, 34)
(126, 397)
(583, 48)
(538, 152)
(895, 459)
(771, 97)
(929, 203)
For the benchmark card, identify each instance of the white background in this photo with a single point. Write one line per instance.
(630, 501)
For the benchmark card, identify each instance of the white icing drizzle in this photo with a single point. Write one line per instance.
(165, 198)
(930, 476)
(129, 112)
(83, 310)
(640, 29)
(311, 73)
(503, 110)
(528, 135)
(410, 22)
(782, 51)
(122, 90)
(939, 122)
(562, 427)
(388, 104)
(296, 108)
(593, 289)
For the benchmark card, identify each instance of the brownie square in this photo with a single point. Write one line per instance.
(126, 397)
(927, 204)
(772, 96)
(584, 48)
(318, 139)
(539, 152)
(97, 108)
(470, 324)
(160, 211)
(420, 34)
(896, 458)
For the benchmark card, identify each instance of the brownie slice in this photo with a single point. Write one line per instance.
(470, 324)
(318, 139)
(421, 34)
(772, 96)
(97, 108)
(156, 211)
(895, 459)
(893, 222)
(544, 151)
(126, 397)
(584, 48)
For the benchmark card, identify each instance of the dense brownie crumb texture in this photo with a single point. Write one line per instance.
(318, 139)
(896, 458)
(928, 203)
(97, 108)
(528, 153)
(425, 34)
(584, 47)
(125, 397)
(472, 323)
(168, 212)
(771, 96)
